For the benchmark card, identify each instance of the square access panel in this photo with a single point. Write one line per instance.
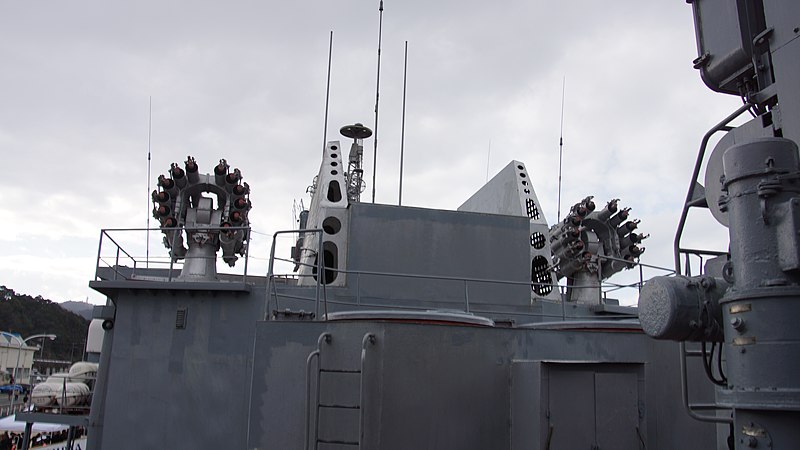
(566, 405)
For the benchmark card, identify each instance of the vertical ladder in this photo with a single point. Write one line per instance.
(334, 409)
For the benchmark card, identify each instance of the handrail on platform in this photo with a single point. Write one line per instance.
(120, 254)
(320, 286)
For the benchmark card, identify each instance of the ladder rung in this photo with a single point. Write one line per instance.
(332, 441)
(339, 371)
(335, 406)
(705, 406)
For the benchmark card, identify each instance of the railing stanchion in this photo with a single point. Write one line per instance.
(368, 339)
(466, 295)
(270, 275)
(99, 254)
(320, 272)
(641, 277)
(246, 253)
(324, 279)
(358, 288)
(116, 263)
(172, 252)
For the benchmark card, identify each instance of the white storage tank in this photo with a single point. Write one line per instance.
(94, 339)
(44, 394)
(74, 394)
(84, 372)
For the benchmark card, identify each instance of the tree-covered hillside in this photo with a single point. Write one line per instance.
(26, 316)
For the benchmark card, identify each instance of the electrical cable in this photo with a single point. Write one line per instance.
(707, 363)
(719, 365)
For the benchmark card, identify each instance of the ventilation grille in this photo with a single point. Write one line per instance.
(538, 240)
(180, 319)
(531, 209)
(540, 276)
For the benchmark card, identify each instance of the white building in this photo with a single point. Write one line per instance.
(14, 353)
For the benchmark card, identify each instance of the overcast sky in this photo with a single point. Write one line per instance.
(245, 81)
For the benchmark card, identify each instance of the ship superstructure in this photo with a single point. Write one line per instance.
(482, 327)
(399, 327)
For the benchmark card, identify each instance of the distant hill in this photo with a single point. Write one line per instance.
(25, 315)
(80, 308)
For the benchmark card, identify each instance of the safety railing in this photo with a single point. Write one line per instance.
(319, 285)
(701, 256)
(62, 394)
(690, 201)
(8, 410)
(321, 300)
(116, 257)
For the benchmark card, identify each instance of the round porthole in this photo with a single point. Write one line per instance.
(331, 225)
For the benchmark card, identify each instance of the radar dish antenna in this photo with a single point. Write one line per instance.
(356, 131)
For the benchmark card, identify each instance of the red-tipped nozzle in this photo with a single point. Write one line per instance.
(240, 203)
(191, 165)
(160, 197)
(166, 183)
(163, 210)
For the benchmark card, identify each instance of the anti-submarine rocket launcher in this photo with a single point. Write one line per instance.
(182, 207)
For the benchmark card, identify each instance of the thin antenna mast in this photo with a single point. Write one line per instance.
(561, 144)
(327, 95)
(488, 156)
(149, 134)
(403, 125)
(377, 98)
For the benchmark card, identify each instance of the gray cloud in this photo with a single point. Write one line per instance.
(245, 81)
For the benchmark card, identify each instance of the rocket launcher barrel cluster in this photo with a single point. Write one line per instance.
(601, 242)
(179, 204)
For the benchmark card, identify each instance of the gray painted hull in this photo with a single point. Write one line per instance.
(228, 380)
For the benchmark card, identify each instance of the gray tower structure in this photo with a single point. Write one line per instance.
(511, 193)
(746, 304)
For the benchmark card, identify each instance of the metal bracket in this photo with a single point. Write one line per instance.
(763, 36)
(701, 60)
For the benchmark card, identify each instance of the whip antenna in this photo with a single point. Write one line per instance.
(377, 98)
(327, 95)
(403, 126)
(488, 156)
(561, 145)
(149, 134)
